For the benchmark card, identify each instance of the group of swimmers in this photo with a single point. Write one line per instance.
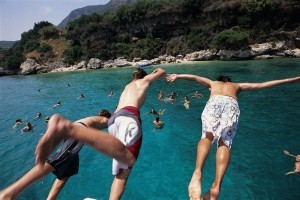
(28, 126)
(219, 123)
(186, 101)
(158, 124)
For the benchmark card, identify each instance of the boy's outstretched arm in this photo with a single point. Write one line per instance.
(267, 84)
(201, 80)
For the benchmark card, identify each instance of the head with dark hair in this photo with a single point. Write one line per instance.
(157, 118)
(139, 73)
(224, 78)
(104, 113)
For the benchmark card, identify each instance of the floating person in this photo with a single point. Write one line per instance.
(161, 95)
(171, 98)
(68, 85)
(18, 122)
(297, 163)
(152, 111)
(186, 102)
(81, 96)
(197, 95)
(58, 103)
(219, 122)
(161, 111)
(173, 93)
(158, 123)
(63, 164)
(38, 115)
(111, 94)
(28, 127)
(47, 119)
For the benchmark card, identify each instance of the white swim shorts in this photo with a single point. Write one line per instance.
(127, 130)
(220, 117)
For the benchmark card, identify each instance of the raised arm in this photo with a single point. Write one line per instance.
(257, 86)
(202, 80)
(155, 75)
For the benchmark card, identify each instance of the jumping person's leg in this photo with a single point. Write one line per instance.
(60, 128)
(56, 188)
(36, 173)
(119, 184)
(203, 150)
(222, 162)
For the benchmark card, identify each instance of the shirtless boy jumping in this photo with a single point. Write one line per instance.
(219, 122)
(125, 138)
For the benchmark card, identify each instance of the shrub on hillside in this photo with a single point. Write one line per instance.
(43, 48)
(176, 46)
(49, 32)
(230, 39)
(31, 45)
(73, 54)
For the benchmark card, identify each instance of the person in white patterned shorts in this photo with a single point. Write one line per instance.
(219, 122)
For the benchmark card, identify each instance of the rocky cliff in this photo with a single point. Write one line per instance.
(87, 10)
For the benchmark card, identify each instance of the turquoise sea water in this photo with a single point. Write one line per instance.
(269, 124)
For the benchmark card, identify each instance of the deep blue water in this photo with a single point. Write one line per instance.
(269, 124)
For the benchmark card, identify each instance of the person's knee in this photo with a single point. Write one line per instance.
(221, 143)
(123, 174)
(209, 136)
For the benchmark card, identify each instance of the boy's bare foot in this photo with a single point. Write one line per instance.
(58, 128)
(212, 193)
(195, 186)
(5, 195)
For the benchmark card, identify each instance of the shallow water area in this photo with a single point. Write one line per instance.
(269, 124)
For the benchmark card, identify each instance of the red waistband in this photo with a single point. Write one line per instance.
(133, 110)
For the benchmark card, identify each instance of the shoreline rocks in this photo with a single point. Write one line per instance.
(266, 50)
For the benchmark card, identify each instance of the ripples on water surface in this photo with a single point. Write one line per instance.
(269, 124)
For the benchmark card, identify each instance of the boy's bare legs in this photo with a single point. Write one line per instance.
(36, 173)
(60, 128)
(56, 188)
(222, 162)
(203, 150)
(118, 185)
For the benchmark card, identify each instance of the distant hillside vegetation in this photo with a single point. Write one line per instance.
(150, 28)
(110, 6)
